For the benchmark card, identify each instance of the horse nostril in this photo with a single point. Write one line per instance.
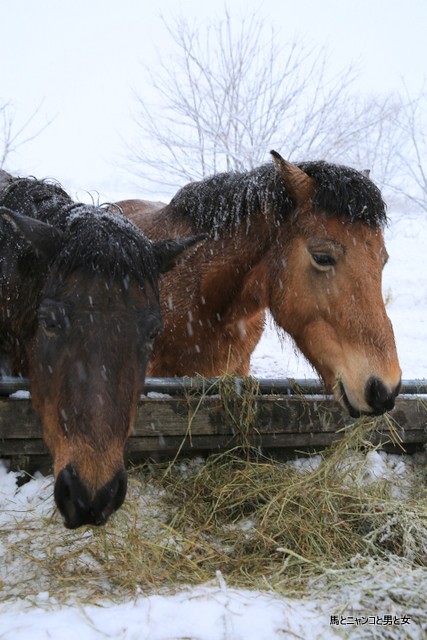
(75, 504)
(71, 497)
(110, 497)
(379, 397)
(122, 485)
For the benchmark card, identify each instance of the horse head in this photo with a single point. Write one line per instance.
(96, 317)
(326, 286)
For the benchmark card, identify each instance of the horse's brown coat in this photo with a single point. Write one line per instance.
(79, 309)
(213, 305)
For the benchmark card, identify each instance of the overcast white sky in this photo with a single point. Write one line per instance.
(81, 60)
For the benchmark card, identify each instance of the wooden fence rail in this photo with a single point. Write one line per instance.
(194, 415)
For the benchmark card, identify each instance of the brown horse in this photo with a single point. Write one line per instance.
(79, 310)
(304, 241)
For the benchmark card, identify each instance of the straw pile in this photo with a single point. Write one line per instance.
(321, 524)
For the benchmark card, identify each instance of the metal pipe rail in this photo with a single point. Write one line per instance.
(209, 386)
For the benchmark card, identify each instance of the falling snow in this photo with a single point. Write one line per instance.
(216, 610)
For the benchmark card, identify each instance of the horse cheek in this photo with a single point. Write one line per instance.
(53, 435)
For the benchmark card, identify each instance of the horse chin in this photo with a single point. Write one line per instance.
(345, 402)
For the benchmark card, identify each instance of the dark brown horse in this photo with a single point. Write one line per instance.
(304, 241)
(79, 310)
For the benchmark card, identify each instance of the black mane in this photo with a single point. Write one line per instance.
(225, 200)
(345, 191)
(107, 243)
(94, 239)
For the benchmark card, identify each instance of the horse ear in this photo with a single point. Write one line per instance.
(5, 179)
(166, 252)
(299, 183)
(44, 238)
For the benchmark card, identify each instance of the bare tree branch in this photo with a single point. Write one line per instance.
(411, 156)
(231, 92)
(13, 136)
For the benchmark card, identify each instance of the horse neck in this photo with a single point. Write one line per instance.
(228, 272)
(211, 301)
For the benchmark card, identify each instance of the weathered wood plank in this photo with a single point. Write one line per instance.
(167, 417)
(29, 446)
(183, 422)
(18, 419)
(145, 446)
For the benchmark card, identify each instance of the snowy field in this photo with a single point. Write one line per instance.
(215, 611)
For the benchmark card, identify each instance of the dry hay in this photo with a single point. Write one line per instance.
(320, 526)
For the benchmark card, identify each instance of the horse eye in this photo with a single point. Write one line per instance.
(323, 261)
(51, 321)
(147, 335)
(50, 326)
(154, 332)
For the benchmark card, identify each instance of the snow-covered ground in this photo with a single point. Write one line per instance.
(215, 611)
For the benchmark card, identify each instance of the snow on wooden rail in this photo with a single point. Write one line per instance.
(191, 415)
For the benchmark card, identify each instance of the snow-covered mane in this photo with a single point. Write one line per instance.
(225, 200)
(96, 239)
(344, 191)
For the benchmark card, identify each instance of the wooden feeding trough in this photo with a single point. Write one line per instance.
(193, 415)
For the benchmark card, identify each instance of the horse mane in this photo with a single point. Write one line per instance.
(107, 243)
(225, 200)
(95, 240)
(40, 199)
(342, 190)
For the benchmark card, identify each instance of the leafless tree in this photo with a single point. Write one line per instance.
(13, 135)
(411, 155)
(374, 137)
(230, 93)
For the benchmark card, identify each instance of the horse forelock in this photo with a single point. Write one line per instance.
(227, 200)
(344, 191)
(104, 243)
(94, 240)
(40, 199)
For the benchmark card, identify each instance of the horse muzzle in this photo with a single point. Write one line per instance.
(378, 398)
(76, 504)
